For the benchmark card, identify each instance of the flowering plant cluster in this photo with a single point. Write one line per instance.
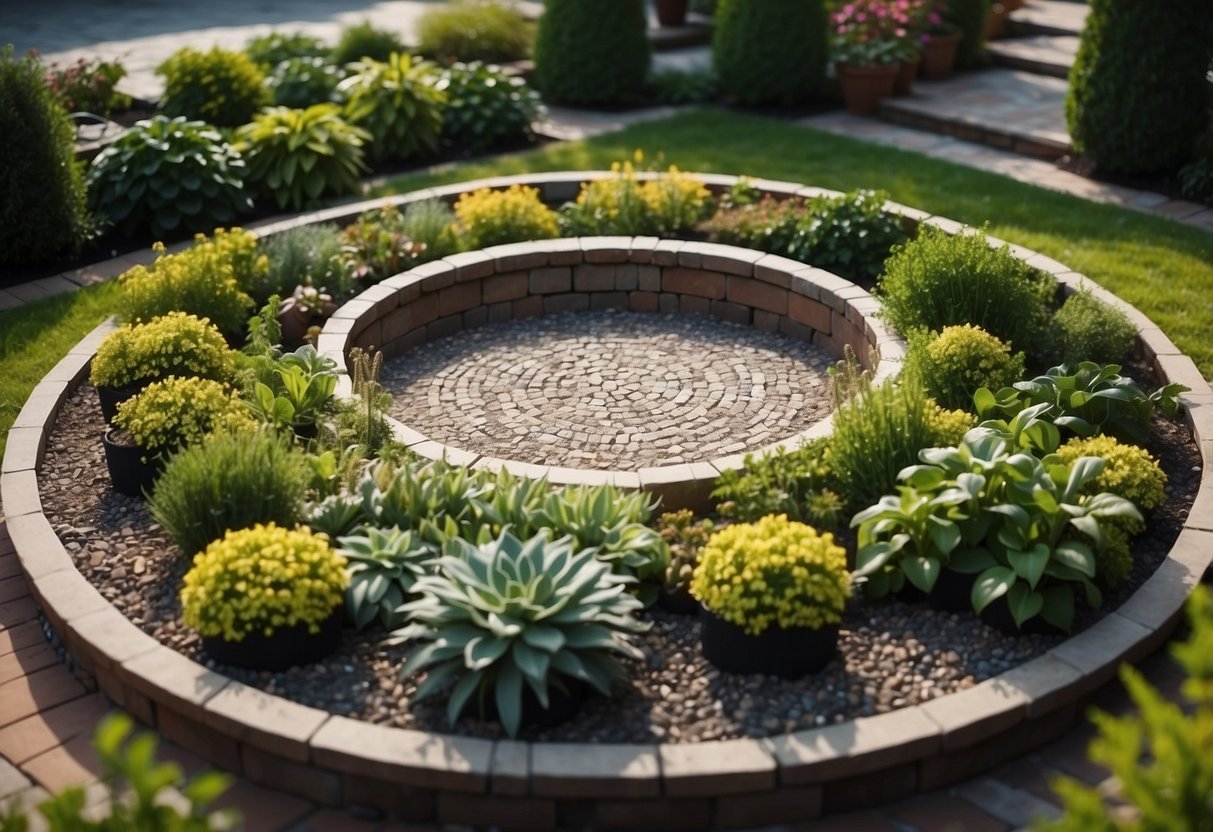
(174, 344)
(773, 573)
(176, 412)
(263, 579)
(670, 202)
(880, 32)
(87, 86)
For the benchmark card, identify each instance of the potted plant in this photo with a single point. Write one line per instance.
(671, 12)
(134, 355)
(772, 595)
(266, 598)
(303, 385)
(685, 538)
(940, 44)
(167, 415)
(865, 53)
(307, 307)
(517, 628)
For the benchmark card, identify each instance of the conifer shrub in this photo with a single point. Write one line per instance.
(1138, 98)
(591, 52)
(770, 51)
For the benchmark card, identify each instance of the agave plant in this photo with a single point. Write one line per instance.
(509, 614)
(383, 565)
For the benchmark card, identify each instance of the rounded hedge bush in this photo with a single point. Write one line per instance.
(770, 51)
(221, 87)
(954, 363)
(1138, 95)
(591, 52)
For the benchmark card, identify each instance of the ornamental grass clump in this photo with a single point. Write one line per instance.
(487, 217)
(177, 344)
(179, 412)
(474, 30)
(513, 618)
(261, 580)
(954, 363)
(773, 573)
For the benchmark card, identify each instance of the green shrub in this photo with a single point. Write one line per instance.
(298, 156)
(220, 87)
(376, 246)
(42, 203)
(767, 224)
(970, 17)
(87, 86)
(485, 107)
(487, 217)
(770, 51)
(177, 412)
(590, 52)
(170, 177)
(431, 223)
(176, 344)
(474, 30)
(940, 280)
(954, 363)
(231, 482)
(1090, 330)
(667, 204)
(363, 41)
(1138, 104)
(309, 255)
(793, 483)
(684, 86)
(267, 51)
(302, 82)
(398, 102)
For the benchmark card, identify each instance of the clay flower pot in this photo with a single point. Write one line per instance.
(788, 653)
(907, 71)
(863, 87)
(671, 12)
(939, 56)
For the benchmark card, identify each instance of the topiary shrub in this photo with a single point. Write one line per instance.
(220, 87)
(1138, 98)
(398, 102)
(302, 82)
(770, 51)
(474, 30)
(1091, 330)
(970, 17)
(169, 176)
(955, 363)
(42, 203)
(363, 41)
(486, 107)
(488, 218)
(591, 52)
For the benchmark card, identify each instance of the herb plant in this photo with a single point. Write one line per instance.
(669, 203)
(377, 245)
(309, 255)
(1090, 330)
(794, 483)
(87, 86)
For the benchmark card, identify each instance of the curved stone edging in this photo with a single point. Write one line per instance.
(461, 780)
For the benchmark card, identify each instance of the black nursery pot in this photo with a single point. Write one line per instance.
(788, 653)
(129, 474)
(111, 397)
(678, 601)
(952, 592)
(286, 647)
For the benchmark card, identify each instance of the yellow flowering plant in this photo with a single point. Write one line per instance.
(773, 573)
(174, 344)
(673, 201)
(262, 579)
(958, 360)
(487, 217)
(177, 412)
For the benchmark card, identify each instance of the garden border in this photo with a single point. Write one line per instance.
(460, 780)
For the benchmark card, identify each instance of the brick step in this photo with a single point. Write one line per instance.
(1048, 17)
(1051, 55)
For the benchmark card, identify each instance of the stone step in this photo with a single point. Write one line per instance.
(1004, 108)
(696, 31)
(1051, 55)
(1048, 17)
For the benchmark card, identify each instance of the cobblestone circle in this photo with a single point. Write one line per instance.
(610, 389)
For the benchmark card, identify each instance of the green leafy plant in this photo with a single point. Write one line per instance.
(773, 573)
(302, 393)
(261, 579)
(939, 280)
(267, 51)
(1158, 754)
(302, 82)
(361, 422)
(667, 204)
(488, 217)
(174, 344)
(684, 86)
(437, 499)
(377, 245)
(588, 52)
(87, 86)
(474, 30)
(298, 156)
(383, 565)
(485, 107)
(309, 255)
(758, 221)
(1091, 330)
(221, 87)
(233, 481)
(169, 176)
(399, 102)
(362, 41)
(793, 483)
(955, 363)
(512, 615)
(42, 203)
(179, 412)
(788, 68)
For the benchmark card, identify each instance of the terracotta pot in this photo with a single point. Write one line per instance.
(788, 653)
(939, 56)
(863, 87)
(907, 71)
(284, 648)
(996, 22)
(671, 12)
(129, 473)
(1014, 5)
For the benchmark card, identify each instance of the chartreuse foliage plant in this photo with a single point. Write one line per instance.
(1090, 330)
(140, 792)
(42, 203)
(795, 483)
(174, 344)
(261, 579)
(513, 615)
(1158, 753)
(298, 156)
(399, 102)
(666, 204)
(383, 565)
(955, 363)
(589, 52)
(178, 412)
(221, 87)
(169, 176)
(232, 481)
(486, 107)
(362, 41)
(488, 217)
(474, 30)
(770, 51)
(773, 573)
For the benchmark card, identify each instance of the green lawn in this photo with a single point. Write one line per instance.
(1163, 268)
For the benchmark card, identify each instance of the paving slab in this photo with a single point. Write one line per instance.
(1049, 17)
(1051, 55)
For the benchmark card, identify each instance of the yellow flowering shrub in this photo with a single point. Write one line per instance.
(673, 201)
(220, 86)
(1131, 472)
(956, 361)
(487, 217)
(949, 426)
(262, 579)
(773, 573)
(177, 412)
(174, 344)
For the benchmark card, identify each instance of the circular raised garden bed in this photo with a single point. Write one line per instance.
(466, 780)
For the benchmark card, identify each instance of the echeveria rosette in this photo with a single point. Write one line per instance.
(512, 613)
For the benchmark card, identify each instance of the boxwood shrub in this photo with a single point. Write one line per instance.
(591, 52)
(770, 51)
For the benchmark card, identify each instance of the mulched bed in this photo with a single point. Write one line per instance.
(892, 654)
